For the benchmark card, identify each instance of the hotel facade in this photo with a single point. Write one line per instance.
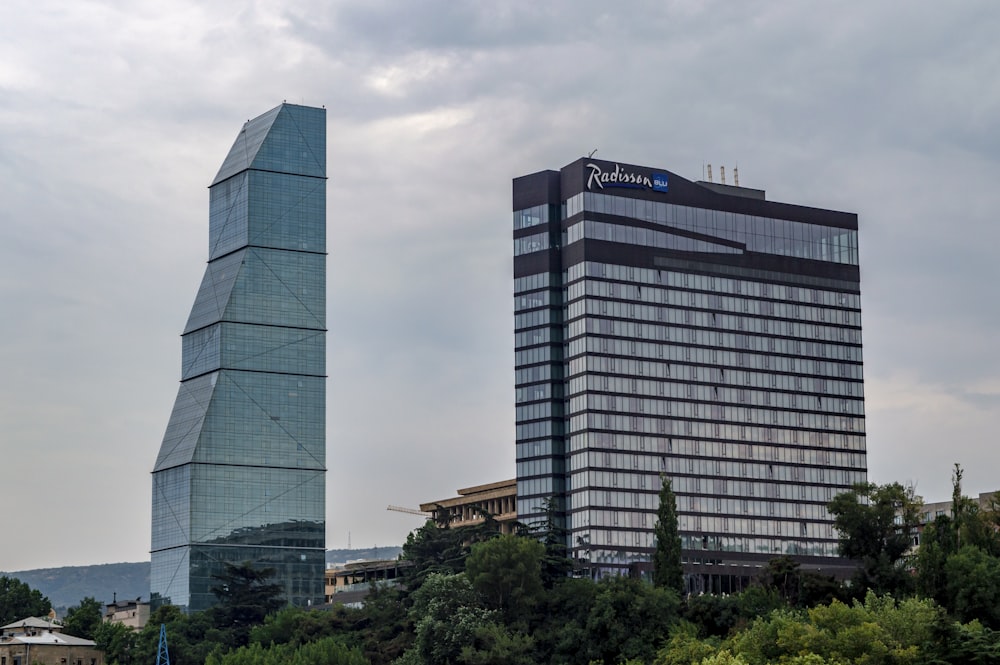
(693, 331)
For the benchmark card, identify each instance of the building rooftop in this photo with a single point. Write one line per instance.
(32, 623)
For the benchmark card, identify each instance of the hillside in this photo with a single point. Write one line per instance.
(66, 586)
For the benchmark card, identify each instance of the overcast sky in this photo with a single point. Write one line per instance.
(116, 114)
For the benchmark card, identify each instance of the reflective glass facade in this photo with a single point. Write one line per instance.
(240, 475)
(691, 330)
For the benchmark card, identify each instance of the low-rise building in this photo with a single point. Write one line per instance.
(472, 505)
(350, 583)
(132, 613)
(37, 640)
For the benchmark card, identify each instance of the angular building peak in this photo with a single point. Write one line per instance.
(287, 136)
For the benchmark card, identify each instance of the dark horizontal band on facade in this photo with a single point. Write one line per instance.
(250, 371)
(272, 249)
(251, 323)
(269, 466)
(288, 173)
(196, 543)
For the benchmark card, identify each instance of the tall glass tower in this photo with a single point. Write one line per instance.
(688, 330)
(240, 475)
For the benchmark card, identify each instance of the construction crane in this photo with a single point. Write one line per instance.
(411, 511)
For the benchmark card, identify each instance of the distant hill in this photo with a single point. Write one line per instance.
(67, 586)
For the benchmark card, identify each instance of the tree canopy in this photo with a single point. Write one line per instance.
(20, 601)
(83, 620)
(876, 524)
(667, 570)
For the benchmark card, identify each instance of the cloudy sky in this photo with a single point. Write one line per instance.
(116, 114)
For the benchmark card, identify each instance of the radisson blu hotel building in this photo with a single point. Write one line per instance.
(694, 331)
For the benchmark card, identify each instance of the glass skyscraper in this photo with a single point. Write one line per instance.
(240, 475)
(693, 331)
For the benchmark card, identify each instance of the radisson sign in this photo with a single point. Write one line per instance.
(622, 178)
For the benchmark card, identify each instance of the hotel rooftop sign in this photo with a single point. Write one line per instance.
(623, 178)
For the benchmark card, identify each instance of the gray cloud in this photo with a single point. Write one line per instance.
(108, 139)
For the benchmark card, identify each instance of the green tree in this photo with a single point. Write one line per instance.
(19, 601)
(447, 614)
(877, 631)
(246, 596)
(630, 618)
(434, 549)
(560, 632)
(191, 637)
(973, 586)
(797, 587)
(875, 524)
(496, 644)
(667, 570)
(507, 572)
(556, 564)
(971, 525)
(117, 641)
(82, 620)
(326, 651)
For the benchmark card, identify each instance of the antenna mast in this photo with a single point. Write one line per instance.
(162, 655)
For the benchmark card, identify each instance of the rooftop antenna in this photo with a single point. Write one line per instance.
(710, 173)
(722, 174)
(736, 175)
(592, 153)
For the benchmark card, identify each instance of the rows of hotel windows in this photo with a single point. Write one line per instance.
(669, 426)
(732, 344)
(532, 243)
(699, 523)
(661, 370)
(711, 411)
(601, 407)
(715, 376)
(631, 235)
(774, 488)
(789, 471)
(709, 283)
(711, 349)
(643, 471)
(808, 446)
(716, 392)
(633, 540)
(845, 303)
(537, 336)
(818, 446)
(531, 282)
(733, 504)
(648, 503)
(532, 300)
(745, 326)
(759, 234)
(531, 216)
(625, 498)
(537, 373)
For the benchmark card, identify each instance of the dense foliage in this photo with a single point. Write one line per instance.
(20, 601)
(476, 597)
(667, 570)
